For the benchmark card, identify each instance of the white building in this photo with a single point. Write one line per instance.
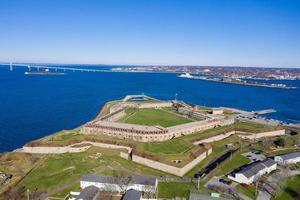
(251, 172)
(217, 111)
(290, 158)
(109, 183)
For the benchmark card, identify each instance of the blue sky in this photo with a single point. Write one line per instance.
(177, 32)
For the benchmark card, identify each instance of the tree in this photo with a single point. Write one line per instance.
(122, 181)
(280, 142)
(148, 192)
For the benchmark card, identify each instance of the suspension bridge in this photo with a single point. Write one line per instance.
(54, 68)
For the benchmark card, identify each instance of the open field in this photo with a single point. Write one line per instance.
(17, 164)
(171, 189)
(58, 173)
(152, 117)
(173, 146)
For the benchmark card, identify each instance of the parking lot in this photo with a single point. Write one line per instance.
(254, 156)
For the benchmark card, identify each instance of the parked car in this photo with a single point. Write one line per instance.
(256, 152)
(225, 181)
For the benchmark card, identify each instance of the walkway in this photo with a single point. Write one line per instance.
(70, 148)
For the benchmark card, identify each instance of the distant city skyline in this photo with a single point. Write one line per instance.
(251, 33)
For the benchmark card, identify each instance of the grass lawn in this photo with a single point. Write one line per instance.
(150, 117)
(59, 172)
(67, 136)
(292, 189)
(248, 190)
(253, 127)
(172, 189)
(218, 148)
(173, 146)
(66, 191)
(232, 163)
(146, 101)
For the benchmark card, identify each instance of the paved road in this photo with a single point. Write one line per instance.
(270, 186)
(215, 181)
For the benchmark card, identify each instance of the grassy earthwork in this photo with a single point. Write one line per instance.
(152, 117)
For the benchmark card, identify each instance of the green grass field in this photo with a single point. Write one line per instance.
(173, 146)
(292, 189)
(170, 189)
(58, 174)
(253, 127)
(248, 190)
(232, 163)
(150, 117)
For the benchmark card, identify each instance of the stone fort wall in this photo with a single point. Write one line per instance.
(117, 112)
(165, 167)
(165, 134)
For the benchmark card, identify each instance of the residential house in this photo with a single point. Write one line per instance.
(250, 173)
(109, 183)
(290, 158)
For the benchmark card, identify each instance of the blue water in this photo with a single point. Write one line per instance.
(32, 106)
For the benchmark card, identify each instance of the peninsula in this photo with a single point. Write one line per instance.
(235, 81)
(163, 148)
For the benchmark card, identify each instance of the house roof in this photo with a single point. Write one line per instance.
(88, 193)
(290, 155)
(132, 195)
(268, 162)
(141, 180)
(251, 169)
(255, 167)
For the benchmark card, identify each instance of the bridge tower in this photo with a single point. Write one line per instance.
(10, 66)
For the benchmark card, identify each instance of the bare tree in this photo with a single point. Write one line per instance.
(123, 181)
(148, 192)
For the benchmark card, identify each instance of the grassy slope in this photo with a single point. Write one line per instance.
(60, 172)
(253, 127)
(152, 117)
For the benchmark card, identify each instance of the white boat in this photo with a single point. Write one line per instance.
(185, 75)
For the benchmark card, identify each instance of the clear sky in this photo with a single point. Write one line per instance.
(178, 32)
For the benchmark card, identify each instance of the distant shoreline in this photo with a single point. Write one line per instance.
(255, 84)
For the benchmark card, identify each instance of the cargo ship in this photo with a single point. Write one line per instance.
(46, 72)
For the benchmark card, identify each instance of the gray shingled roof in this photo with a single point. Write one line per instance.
(290, 155)
(132, 195)
(88, 193)
(253, 168)
(141, 180)
(268, 162)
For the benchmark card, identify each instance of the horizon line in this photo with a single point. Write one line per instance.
(147, 65)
